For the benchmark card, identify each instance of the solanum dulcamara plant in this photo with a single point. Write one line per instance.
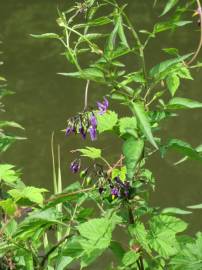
(64, 231)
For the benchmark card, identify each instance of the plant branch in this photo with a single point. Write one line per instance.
(45, 258)
(200, 41)
(86, 95)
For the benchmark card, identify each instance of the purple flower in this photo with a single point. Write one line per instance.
(75, 166)
(68, 131)
(93, 121)
(93, 133)
(82, 132)
(115, 192)
(103, 106)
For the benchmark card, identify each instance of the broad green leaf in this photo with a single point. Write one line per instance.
(184, 73)
(107, 121)
(63, 262)
(132, 150)
(46, 36)
(130, 258)
(140, 233)
(183, 103)
(162, 234)
(174, 210)
(182, 147)
(96, 237)
(173, 83)
(170, 4)
(139, 111)
(189, 257)
(121, 173)
(93, 74)
(9, 206)
(91, 152)
(8, 174)
(160, 68)
(11, 227)
(31, 193)
(128, 125)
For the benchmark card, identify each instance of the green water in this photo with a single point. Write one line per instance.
(44, 100)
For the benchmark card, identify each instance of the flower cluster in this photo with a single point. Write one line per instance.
(120, 189)
(86, 122)
(75, 165)
(82, 124)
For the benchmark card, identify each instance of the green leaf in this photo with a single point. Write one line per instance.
(46, 36)
(93, 74)
(31, 193)
(170, 4)
(189, 256)
(7, 174)
(9, 206)
(196, 206)
(183, 103)
(140, 233)
(182, 147)
(96, 237)
(63, 262)
(128, 125)
(174, 210)
(11, 227)
(173, 83)
(107, 121)
(184, 73)
(130, 258)
(157, 70)
(120, 173)
(121, 32)
(99, 21)
(91, 152)
(139, 111)
(162, 234)
(10, 124)
(132, 150)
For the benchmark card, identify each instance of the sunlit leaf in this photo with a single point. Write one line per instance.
(132, 150)
(139, 111)
(183, 103)
(170, 4)
(90, 152)
(173, 83)
(107, 121)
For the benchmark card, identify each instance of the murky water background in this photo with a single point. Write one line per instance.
(44, 100)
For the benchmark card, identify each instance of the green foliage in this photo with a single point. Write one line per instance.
(189, 257)
(107, 121)
(64, 230)
(90, 152)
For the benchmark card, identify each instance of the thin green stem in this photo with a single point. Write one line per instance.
(106, 162)
(140, 46)
(53, 164)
